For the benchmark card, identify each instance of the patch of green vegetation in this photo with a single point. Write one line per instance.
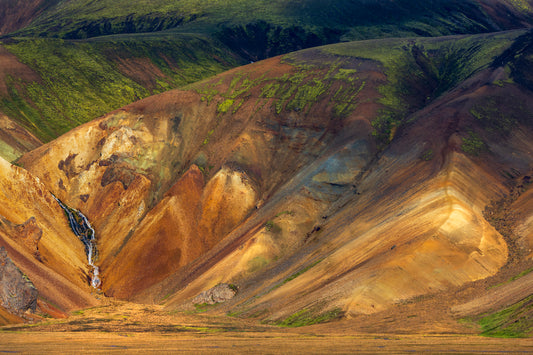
(473, 144)
(207, 93)
(308, 317)
(493, 118)
(501, 114)
(307, 95)
(385, 127)
(205, 169)
(234, 313)
(298, 90)
(81, 80)
(515, 277)
(204, 307)
(523, 273)
(345, 74)
(206, 140)
(166, 297)
(296, 274)
(270, 226)
(521, 5)
(515, 321)
(257, 263)
(420, 70)
(427, 155)
(225, 105)
(308, 84)
(287, 24)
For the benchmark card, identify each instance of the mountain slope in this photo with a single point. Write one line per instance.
(38, 239)
(81, 19)
(13, 16)
(51, 86)
(331, 181)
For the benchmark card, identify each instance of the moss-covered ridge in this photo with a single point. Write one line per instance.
(84, 18)
(260, 29)
(80, 80)
(415, 72)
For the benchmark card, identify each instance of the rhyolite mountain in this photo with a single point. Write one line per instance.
(348, 181)
(341, 181)
(65, 62)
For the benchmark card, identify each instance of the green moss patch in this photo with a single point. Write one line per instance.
(473, 144)
(515, 321)
(81, 80)
(309, 317)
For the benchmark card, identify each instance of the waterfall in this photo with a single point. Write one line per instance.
(82, 228)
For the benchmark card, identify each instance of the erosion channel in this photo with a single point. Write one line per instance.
(82, 228)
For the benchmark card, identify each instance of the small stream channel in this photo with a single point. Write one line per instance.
(83, 229)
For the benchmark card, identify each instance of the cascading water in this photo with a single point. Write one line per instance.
(83, 229)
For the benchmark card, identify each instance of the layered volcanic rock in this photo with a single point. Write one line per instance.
(407, 224)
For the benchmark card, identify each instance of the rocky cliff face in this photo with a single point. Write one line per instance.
(35, 234)
(17, 292)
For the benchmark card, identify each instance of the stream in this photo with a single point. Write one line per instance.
(82, 228)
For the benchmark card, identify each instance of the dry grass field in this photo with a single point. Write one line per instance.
(119, 327)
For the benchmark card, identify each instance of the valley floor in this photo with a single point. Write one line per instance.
(127, 327)
(268, 342)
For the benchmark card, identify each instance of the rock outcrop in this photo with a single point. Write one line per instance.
(17, 292)
(218, 294)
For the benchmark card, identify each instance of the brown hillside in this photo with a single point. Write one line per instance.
(14, 15)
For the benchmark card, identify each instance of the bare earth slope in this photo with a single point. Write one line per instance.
(14, 16)
(38, 239)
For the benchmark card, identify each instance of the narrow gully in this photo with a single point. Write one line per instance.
(85, 232)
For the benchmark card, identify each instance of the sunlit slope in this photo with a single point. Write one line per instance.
(38, 239)
(337, 180)
(415, 226)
